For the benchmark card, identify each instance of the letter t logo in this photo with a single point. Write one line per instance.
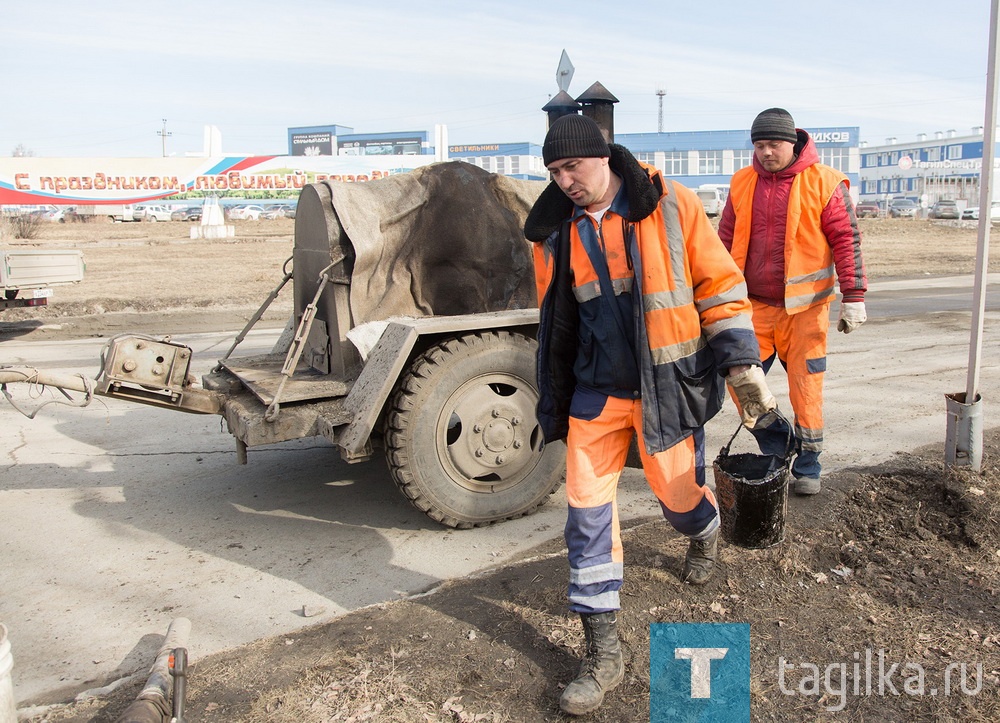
(701, 667)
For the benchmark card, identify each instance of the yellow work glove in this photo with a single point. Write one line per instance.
(852, 315)
(753, 394)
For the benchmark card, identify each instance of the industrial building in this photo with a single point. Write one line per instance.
(697, 158)
(693, 158)
(942, 166)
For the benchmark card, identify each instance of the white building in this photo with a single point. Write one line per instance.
(944, 165)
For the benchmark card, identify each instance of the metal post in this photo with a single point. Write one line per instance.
(964, 441)
(659, 118)
(163, 137)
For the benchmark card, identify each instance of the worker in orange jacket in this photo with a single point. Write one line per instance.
(644, 319)
(789, 224)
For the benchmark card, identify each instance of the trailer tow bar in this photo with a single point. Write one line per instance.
(34, 377)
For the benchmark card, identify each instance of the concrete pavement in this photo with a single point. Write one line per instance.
(118, 518)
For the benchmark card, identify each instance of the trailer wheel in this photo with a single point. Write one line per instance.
(462, 441)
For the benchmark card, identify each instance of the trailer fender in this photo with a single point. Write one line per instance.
(392, 354)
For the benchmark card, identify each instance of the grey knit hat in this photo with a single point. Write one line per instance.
(574, 136)
(773, 124)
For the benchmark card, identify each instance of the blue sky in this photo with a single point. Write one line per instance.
(98, 78)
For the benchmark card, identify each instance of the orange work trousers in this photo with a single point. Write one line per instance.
(601, 429)
(799, 342)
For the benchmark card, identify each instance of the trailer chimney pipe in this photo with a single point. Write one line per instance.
(561, 104)
(598, 105)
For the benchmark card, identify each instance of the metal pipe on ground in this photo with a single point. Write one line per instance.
(152, 705)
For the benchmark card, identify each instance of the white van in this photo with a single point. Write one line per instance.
(713, 198)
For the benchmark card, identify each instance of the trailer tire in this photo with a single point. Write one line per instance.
(462, 441)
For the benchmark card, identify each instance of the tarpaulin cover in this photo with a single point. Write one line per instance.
(440, 240)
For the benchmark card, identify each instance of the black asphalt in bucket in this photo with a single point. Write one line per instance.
(752, 491)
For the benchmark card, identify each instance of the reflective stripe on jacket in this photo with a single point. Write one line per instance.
(602, 284)
(809, 273)
(695, 316)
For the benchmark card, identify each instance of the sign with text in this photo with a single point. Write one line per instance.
(71, 181)
(841, 137)
(379, 147)
(312, 144)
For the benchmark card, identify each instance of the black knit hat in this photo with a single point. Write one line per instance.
(574, 136)
(773, 124)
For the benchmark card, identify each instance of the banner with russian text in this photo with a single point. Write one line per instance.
(69, 181)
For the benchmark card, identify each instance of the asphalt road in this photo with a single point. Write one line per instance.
(118, 518)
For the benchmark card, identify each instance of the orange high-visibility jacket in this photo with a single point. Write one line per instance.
(695, 321)
(810, 275)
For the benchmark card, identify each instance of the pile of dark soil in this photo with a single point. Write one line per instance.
(898, 562)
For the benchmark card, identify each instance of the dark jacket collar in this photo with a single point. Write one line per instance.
(553, 206)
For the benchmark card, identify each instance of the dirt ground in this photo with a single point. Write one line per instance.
(902, 558)
(142, 272)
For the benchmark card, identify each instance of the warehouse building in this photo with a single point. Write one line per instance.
(942, 166)
(693, 158)
(699, 158)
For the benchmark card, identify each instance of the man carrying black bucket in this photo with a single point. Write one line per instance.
(789, 224)
(643, 316)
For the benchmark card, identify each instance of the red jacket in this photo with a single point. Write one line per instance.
(765, 260)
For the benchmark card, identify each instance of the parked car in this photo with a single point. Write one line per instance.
(52, 213)
(867, 209)
(245, 213)
(191, 213)
(151, 213)
(945, 208)
(280, 210)
(972, 212)
(903, 208)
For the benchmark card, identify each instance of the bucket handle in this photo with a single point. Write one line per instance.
(789, 448)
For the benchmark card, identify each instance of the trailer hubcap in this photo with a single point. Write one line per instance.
(490, 438)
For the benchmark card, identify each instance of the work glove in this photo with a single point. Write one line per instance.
(852, 315)
(753, 395)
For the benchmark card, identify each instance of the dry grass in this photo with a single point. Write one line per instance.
(145, 267)
(363, 689)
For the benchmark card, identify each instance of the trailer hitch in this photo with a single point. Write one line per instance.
(133, 367)
(153, 371)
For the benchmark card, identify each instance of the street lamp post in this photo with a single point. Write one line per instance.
(163, 137)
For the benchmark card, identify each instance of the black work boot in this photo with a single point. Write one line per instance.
(699, 562)
(602, 668)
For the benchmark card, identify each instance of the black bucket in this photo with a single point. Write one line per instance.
(752, 491)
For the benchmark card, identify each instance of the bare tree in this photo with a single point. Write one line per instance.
(21, 151)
